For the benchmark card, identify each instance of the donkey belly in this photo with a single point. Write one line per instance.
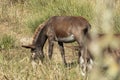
(67, 39)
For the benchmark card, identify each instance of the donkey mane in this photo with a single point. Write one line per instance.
(37, 31)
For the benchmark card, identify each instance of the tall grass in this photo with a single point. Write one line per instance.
(43, 10)
(31, 13)
(22, 16)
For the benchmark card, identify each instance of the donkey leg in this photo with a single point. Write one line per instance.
(32, 60)
(84, 64)
(82, 61)
(90, 61)
(50, 49)
(41, 56)
(79, 55)
(61, 47)
(82, 54)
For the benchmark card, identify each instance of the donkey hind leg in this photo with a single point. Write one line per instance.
(90, 61)
(61, 47)
(83, 62)
(82, 55)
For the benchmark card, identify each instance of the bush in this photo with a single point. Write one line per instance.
(7, 42)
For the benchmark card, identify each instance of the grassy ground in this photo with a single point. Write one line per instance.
(15, 65)
(19, 19)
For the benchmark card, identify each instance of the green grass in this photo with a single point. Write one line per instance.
(7, 42)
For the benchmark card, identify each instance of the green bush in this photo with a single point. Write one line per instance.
(7, 42)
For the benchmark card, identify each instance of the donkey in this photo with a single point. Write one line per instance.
(62, 29)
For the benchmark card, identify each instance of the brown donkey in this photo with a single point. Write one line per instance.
(63, 29)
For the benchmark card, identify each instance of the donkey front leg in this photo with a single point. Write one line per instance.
(50, 49)
(62, 52)
(32, 59)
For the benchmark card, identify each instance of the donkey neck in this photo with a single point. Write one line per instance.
(40, 39)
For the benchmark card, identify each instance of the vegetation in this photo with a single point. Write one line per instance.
(20, 18)
(43, 10)
(7, 42)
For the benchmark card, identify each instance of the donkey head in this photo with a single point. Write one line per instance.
(36, 52)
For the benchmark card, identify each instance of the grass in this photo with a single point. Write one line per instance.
(18, 67)
(42, 10)
(7, 42)
(20, 18)
(117, 25)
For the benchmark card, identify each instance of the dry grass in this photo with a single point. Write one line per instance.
(18, 18)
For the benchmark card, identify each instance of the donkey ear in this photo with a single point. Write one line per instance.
(29, 46)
